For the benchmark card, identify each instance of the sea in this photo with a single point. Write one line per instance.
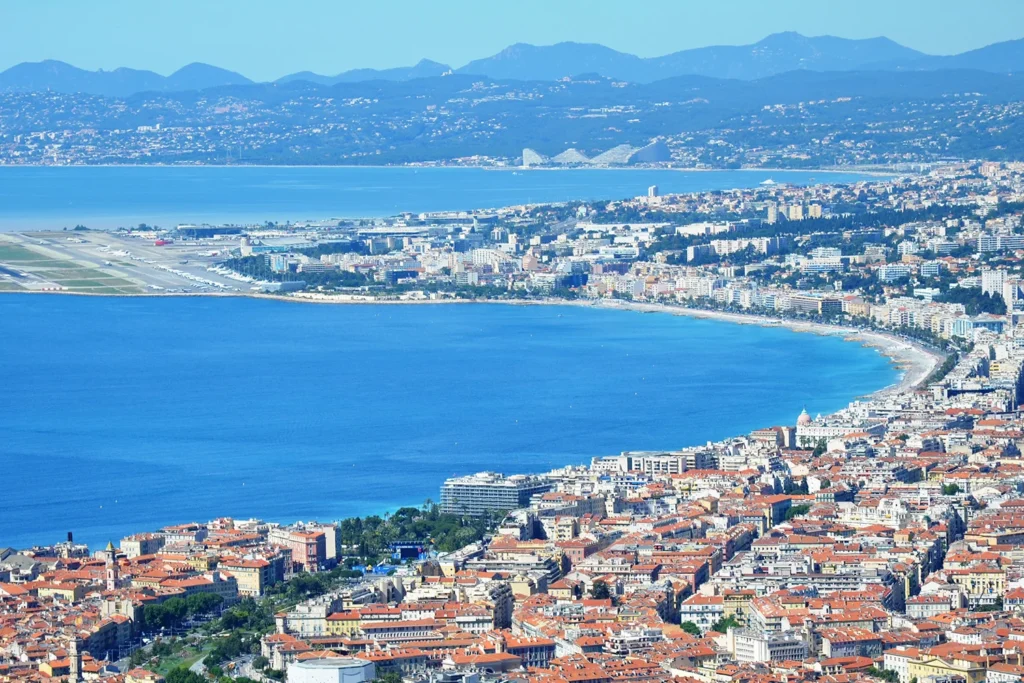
(46, 198)
(120, 415)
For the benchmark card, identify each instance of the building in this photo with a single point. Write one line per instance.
(309, 548)
(253, 576)
(751, 645)
(332, 670)
(702, 610)
(478, 494)
(992, 282)
(214, 582)
(141, 544)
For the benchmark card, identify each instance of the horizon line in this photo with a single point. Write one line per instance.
(99, 70)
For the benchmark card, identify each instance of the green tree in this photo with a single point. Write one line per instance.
(691, 628)
(797, 510)
(883, 674)
(181, 674)
(725, 623)
(950, 489)
(202, 603)
(599, 591)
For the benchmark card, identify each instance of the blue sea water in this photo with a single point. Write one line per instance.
(38, 198)
(125, 414)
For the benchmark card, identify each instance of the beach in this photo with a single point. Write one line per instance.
(915, 361)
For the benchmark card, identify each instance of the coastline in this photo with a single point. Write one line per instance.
(914, 361)
(520, 169)
(918, 361)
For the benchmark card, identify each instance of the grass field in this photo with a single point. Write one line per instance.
(13, 253)
(73, 276)
(186, 657)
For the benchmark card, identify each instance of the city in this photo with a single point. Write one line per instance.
(608, 343)
(879, 542)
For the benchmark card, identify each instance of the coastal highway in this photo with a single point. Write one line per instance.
(170, 268)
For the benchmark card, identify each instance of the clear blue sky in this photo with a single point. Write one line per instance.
(265, 39)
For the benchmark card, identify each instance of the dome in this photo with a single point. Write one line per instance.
(804, 419)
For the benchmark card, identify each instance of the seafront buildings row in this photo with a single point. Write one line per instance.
(930, 252)
(885, 541)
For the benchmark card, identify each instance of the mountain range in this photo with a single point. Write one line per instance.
(776, 54)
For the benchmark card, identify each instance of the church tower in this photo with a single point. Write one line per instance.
(75, 660)
(111, 567)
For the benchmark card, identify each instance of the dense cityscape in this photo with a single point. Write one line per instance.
(205, 484)
(880, 542)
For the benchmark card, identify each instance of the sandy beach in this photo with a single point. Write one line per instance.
(915, 362)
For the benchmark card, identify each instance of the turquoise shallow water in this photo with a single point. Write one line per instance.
(35, 198)
(124, 414)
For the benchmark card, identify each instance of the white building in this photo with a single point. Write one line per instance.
(332, 670)
(702, 610)
(748, 645)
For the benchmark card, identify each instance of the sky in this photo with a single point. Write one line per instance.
(266, 39)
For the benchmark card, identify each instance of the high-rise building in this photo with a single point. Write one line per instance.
(773, 213)
(992, 281)
(480, 493)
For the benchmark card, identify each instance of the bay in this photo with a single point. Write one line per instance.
(45, 198)
(120, 415)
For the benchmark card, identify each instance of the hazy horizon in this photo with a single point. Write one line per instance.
(262, 42)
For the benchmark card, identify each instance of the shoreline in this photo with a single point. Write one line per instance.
(520, 169)
(914, 361)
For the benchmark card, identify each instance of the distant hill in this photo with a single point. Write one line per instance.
(523, 62)
(63, 77)
(776, 54)
(198, 76)
(425, 68)
(1005, 57)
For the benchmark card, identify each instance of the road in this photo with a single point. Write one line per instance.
(199, 667)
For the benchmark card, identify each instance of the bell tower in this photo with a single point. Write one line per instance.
(75, 660)
(112, 574)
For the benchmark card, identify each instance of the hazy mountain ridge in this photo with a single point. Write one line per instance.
(425, 68)
(63, 77)
(794, 119)
(774, 55)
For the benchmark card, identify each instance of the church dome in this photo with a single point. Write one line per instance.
(804, 419)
